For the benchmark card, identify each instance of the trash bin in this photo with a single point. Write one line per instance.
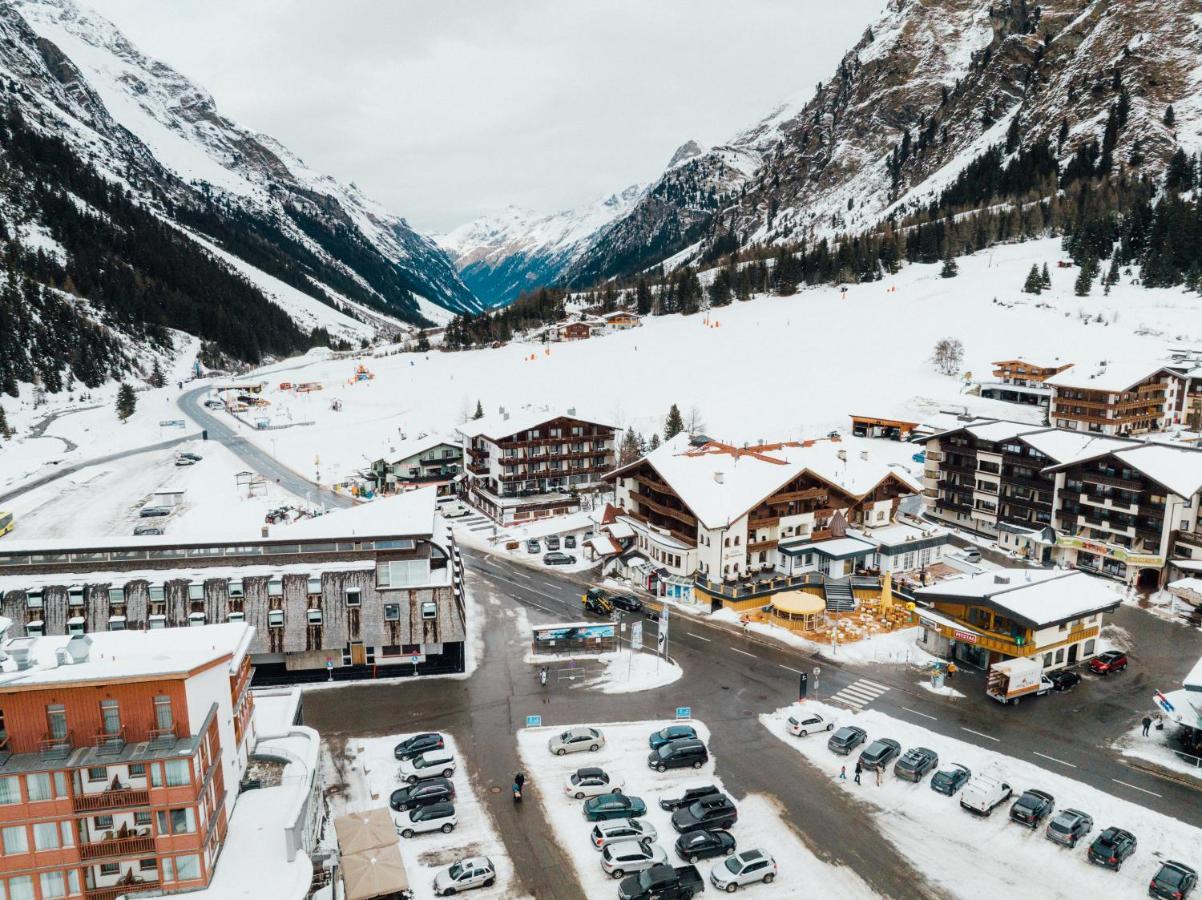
(937, 680)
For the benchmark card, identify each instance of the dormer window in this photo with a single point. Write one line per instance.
(235, 587)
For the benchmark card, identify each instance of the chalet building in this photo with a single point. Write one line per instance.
(621, 320)
(1118, 399)
(121, 756)
(1020, 381)
(356, 590)
(427, 461)
(723, 513)
(1051, 615)
(534, 463)
(878, 427)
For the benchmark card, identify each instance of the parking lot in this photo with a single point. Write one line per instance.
(945, 841)
(624, 757)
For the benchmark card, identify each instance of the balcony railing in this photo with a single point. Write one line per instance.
(107, 742)
(56, 745)
(161, 736)
(117, 890)
(118, 799)
(127, 846)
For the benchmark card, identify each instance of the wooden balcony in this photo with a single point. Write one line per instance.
(135, 845)
(118, 890)
(119, 799)
(663, 509)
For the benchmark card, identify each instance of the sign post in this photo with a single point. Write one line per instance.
(534, 721)
(684, 712)
(415, 659)
(817, 672)
(803, 681)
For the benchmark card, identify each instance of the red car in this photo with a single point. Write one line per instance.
(1110, 661)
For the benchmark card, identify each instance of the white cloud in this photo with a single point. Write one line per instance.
(446, 109)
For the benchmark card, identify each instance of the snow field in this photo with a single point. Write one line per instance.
(946, 843)
(371, 778)
(760, 823)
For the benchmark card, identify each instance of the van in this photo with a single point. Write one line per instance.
(984, 794)
(678, 755)
(452, 507)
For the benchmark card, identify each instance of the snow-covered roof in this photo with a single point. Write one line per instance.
(897, 534)
(410, 513)
(1113, 377)
(720, 482)
(619, 530)
(1177, 468)
(1193, 681)
(414, 446)
(1034, 597)
(502, 425)
(127, 655)
(1063, 445)
(995, 432)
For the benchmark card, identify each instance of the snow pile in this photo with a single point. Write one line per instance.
(897, 647)
(627, 672)
(1159, 748)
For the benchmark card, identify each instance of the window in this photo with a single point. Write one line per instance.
(75, 596)
(20, 888)
(275, 587)
(178, 773)
(314, 616)
(33, 599)
(45, 836)
(156, 592)
(196, 591)
(110, 869)
(1047, 660)
(14, 839)
(147, 865)
(98, 773)
(177, 821)
(102, 821)
(187, 867)
(1060, 655)
(315, 585)
(1089, 647)
(56, 721)
(116, 623)
(352, 596)
(235, 587)
(196, 619)
(168, 874)
(110, 716)
(39, 787)
(236, 617)
(403, 573)
(138, 770)
(275, 618)
(429, 609)
(392, 612)
(116, 595)
(34, 628)
(158, 621)
(164, 716)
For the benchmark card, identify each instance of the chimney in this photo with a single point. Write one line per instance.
(864, 455)
(571, 410)
(843, 455)
(1001, 579)
(79, 647)
(719, 477)
(19, 649)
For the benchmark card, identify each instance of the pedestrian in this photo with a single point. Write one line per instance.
(859, 769)
(1147, 724)
(951, 669)
(843, 773)
(879, 770)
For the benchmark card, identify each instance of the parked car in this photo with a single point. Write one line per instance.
(607, 831)
(1063, 679)
(948, 781)
(879, 753)
(802, 723)
(690, 796)
(425, 765)
(150, 512)
(744, 868)
(576, 739)
(423, 793)
(678, 754)
(552, 543)
(1110, 661)
(1032, 808)
(1174, 880)
(626, 602)
(214, 404)
(984, 794)
(192, 456)
(662, 883)
(419, 743)
(184, 461)
(614, 806)
(557, 558)
(669, 734)
(465, 874)
(1111, 848)
(846, 739)
(915, 763)
(972, 556)
(704, 843)
(532, 546)
(435, 817)
(590, 782)
(452, 507)
(569, 542)
(624, 857)
(1068, 827)
(149, 529)
(717, 811)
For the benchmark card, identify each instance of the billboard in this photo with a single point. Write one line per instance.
(584, 631)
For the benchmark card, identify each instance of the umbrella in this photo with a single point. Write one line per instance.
(374, 873)
(365, 830)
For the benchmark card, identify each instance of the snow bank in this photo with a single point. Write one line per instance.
(896, 647)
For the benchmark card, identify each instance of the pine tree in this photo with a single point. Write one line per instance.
(479, 413)
(654, 443)
(127, 401)
(1170, 117)
(1034, 283)
(950, 268)
(1112, 277)
(642, 298)
(630, 450)
(423, 343)
(5, 431)
(673, 424)
(1084, 279)
(1046, 277)
(156, 379)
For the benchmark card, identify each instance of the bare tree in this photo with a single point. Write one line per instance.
(694, 423)
(948, 355)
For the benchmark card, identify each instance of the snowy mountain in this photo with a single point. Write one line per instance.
(325, 254)
(929, 88)
(499, 256)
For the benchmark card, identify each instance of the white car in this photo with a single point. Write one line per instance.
(576, 739)
(744, 868)
(614, 830)
(427, 765)
(591, 782)
(984, 794)
(803, 723)
(621, 858)
(435, 817)
(472, 872)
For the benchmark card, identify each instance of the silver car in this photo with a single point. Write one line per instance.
(472, 872)
(621, 858)
(576, 739)
(612, 831)
(591, 782)
(745, 867)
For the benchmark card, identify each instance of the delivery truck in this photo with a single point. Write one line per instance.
(1012, 679)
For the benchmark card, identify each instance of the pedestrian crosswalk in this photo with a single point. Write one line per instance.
(859, 693)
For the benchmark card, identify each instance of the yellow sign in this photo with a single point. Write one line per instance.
(1103, 549)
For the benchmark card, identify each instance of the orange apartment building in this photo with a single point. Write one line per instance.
(1116, 399)
(1021, 381)
(120, 757)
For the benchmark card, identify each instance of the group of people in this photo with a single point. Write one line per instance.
(859, 770)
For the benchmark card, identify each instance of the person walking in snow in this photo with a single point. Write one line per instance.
(859, 770)
(1147, 724)
(843, 773)
(879, 775)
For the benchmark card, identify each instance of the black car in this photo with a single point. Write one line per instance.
(191, 456)
(558, 558)
(688, 797)
(1111, 847)
(149, 529)
(418, 744)
(626, 602)
(915, 763)
(1174, 880)
(423, 793)
(694, 845)
(1068, 827)
(1032, 808)
(669, 734)
(662, 883)
(1063, 679)
(710, 812)
(879, 753)
(846, 739)
(678, 754)
(948, 781)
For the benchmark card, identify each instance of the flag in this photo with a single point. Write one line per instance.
(1163, 702)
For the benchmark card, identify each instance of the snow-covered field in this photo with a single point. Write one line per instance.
(760, 822)
(962, 852)
(621, 671)
(370, 776)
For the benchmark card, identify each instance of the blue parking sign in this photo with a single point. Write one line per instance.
(534, 721)
(684, 712)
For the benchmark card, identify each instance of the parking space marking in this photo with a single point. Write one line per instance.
(917, 713)
(1134, 788)
(744, 652)
(1054, 759)
(981, 734)
(791, 669)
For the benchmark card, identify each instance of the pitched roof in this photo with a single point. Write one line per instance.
(502, 425)
(1111, 376)
(1035, 597)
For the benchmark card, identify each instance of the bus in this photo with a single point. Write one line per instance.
(6, 523)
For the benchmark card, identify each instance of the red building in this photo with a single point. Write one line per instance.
(120, 757)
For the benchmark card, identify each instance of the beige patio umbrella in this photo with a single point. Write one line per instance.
(365, 830)
(379, 872)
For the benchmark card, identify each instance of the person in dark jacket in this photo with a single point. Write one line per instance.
(1147, 724)
(859, 771)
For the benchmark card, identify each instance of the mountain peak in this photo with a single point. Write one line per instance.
(686, 151)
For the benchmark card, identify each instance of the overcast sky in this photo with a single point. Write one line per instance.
(448, 109)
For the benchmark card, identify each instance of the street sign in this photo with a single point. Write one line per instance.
(803, 685)
(817, 671)
(636, 635)
(663, 630)
(415, 659)
(534, 721)
(684, 712)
